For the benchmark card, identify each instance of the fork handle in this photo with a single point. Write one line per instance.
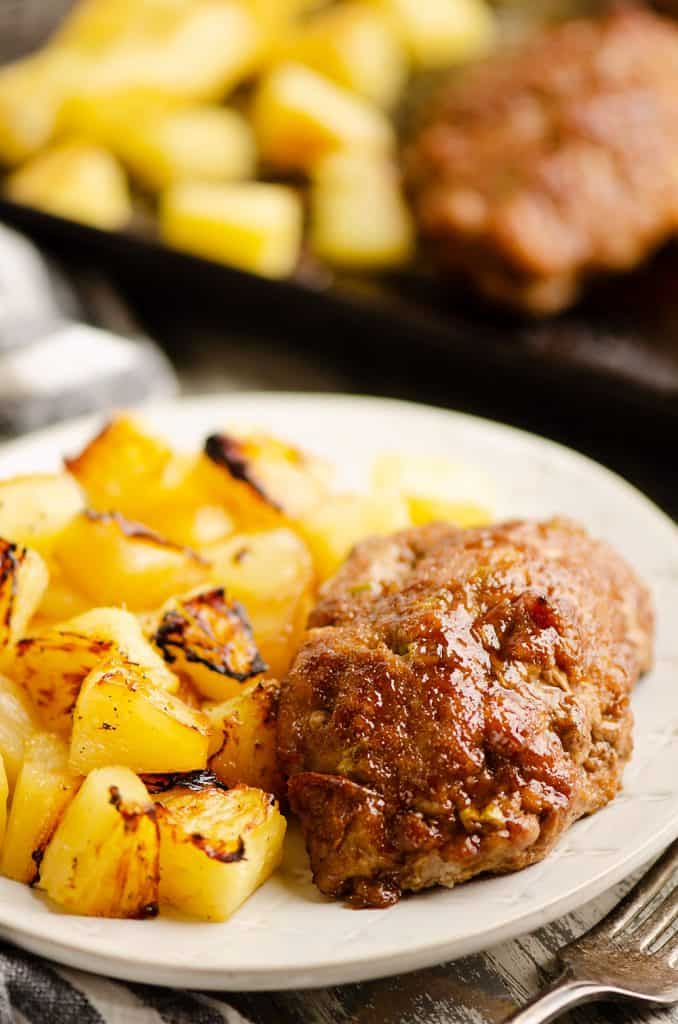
(561, 995)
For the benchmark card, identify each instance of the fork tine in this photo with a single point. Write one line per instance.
(659, 921)
(670, 949)
(642, 893)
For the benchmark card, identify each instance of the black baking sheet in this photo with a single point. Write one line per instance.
(616, 349)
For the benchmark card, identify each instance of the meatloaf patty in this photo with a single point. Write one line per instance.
(541, 166)
(461, 697)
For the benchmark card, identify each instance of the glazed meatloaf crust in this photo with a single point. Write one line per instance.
(462, 696)
(544, 165)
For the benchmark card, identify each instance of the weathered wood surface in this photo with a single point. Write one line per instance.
(481, 989)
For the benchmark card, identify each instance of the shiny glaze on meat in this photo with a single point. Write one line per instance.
(461, 697)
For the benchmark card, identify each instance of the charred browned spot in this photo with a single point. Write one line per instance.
(38, 853)
(11, 557)
(148, 910)
(268, 698)
(67, 642)
(130, 814)
(231, 455)
(213, 631)
(241, 554)
(195, 781)
(222, 854)
(137, 531)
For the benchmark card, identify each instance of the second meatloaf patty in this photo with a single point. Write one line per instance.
(462, 696)
(540, 167)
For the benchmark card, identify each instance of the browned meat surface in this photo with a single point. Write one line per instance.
(462, 696)
(539, 167)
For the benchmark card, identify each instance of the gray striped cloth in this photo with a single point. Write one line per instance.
(34, 991)
(52, 365)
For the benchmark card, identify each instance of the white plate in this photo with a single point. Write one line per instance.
(287, 935)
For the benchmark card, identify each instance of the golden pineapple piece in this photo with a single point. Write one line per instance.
(179, 52)
(300, 116)
(206, 143)
(276, 15)
(92, 25)
(244, 738)
(356, 46)
(60, 602)
(271, 574)
(184, 506)
(185, 521)
(436, 488)
(216, 847)
(23, 580)
(135, 566)
(262, 480)
(4, 796)
(460, 513)
(32, 95)
(77, 181)
(335, 526)
(121, 466)
(359, 217)
(254, 226)
(44, 789)
(206, 637)
(103, 858)
(52, 665)
(17, 724)
(35, 509)
(123, 717)
(439, 33)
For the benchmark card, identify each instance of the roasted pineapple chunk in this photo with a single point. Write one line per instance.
(262, 480)
(271, 573)
(192, 144)
(184, 508)
(254, 226)
(103, 858)
(356, 46)
(120, 467)
(207, 638)
(134, 566)
(44, 789)
(60, 602)
(77, 181)
(245, 730)
(332, 528)
(122, 717)
(32, 94)
(4, 795)
(23, 579)
(53, 665)
(216, 847)
(17, 724)
(276, 15)
(436, 488)
(300, 116)
(179, 52)
(359, 218)
(35, 509)
(188, 522)
(438, 33)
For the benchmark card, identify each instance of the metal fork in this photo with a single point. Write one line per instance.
(628, 955)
